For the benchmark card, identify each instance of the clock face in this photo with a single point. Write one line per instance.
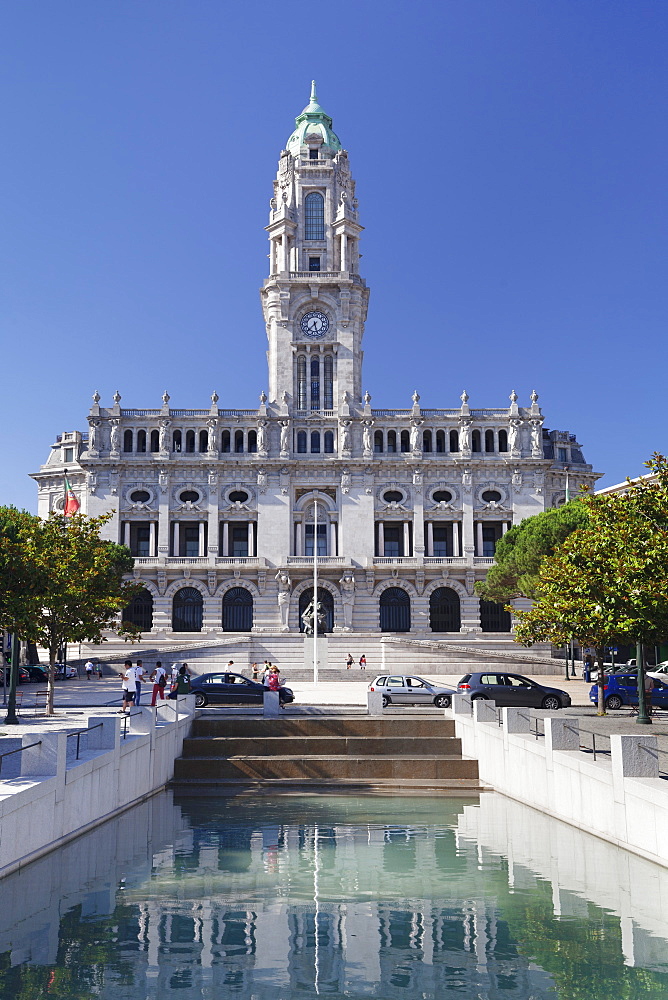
(314, 325)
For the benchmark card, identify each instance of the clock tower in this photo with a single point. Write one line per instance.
(314, 301)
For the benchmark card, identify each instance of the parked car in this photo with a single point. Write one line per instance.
(23, 677)
(660, 671)
(232, 689)
(622, 689)
(512, 690)
(65, 672)
(37, 674)
(409, 689)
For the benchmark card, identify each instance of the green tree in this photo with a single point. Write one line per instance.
(608, 582)
(74, 582)
(520, 553)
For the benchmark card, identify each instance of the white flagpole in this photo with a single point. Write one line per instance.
(315, 592)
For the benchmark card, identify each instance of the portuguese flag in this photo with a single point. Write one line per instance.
(71, 503)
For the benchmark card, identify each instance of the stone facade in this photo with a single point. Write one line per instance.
(220, 506)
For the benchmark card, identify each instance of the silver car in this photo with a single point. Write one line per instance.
(409, 689)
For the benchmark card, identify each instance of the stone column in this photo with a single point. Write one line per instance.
(479, 544)
(332, 538)
(126, 533)
(226, 538)
(300, 539)
(430, 538)
(176, 549)
(407, 539)
(251, 547)
(344, 252)
(467, 527)
(381, 538)
(200, 546)
(151, 538)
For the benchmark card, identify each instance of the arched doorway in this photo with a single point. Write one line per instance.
(187, 610)
(444, 610)
(237, 610)
(494, 617)
(395, 610)
(140, 611)
(324, 598)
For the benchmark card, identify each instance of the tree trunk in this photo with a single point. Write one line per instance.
(600, 655)
(53, 652)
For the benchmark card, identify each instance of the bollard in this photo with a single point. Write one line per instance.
(47, 758)
(634, 756)
(374, 702)
(516, 720)
(141, 721)
(104, 732)
(462, 705)
(484, 711)
(270, 704)
(561, 734)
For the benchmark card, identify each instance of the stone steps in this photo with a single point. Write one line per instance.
(363, 752)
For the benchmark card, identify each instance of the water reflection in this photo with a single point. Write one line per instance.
(301, 896)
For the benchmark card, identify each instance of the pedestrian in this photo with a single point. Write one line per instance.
(265, 672)
(159, 678)
(362, 662)
(649, 687)
(254, 669)
(174, 674)
(139, 674)
(127, 686)
(230, 666)
(99, 670)
(349, 661)
(182, 682)
(89, 668)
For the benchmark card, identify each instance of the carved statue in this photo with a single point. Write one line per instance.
(366, 438)
(514, 436)
(92, 435)
(465, 437)
(284, 587)
(262, 437)
(115, 436)
(345, 435)
(307, 618)
(536, 438)
(347, 584)
(415, 435)
(164, 435)
(211, 431)
(285, 437)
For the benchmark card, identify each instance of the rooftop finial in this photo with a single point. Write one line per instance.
(314, 96)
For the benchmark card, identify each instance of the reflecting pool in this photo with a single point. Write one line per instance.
(299, 896)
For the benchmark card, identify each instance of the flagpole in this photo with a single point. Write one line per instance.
(315, 592)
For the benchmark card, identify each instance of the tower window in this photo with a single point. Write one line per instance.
(328, 387)
(301, 382)
(314, 216)
(315, 442)
(314, 263)
(329, 442)
(315, 383)
(301, 442)
(313, 154)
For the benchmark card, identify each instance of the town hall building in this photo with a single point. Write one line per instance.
(224, 509)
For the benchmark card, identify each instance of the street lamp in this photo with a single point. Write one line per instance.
(643, 719)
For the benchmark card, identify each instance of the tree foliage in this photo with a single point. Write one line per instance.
(521, 551)
(60, 582)
(608, 581)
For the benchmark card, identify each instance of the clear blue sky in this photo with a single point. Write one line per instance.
(510, 158)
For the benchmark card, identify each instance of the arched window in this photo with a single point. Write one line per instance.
(176, 441)
(203, 441)
(392, 441)
(475, 441)
(190, 441)
(324, 598)
(314, 216)
(328, 382)
(329, 442)
(489, 440)
(405, 441)
(225, 441)
(237, 610)
(301, 382)
(503, 440)
(440, 442)
(155, 440)
(444, 610)
(238, 442)
(141, 441)
(301, 442)
(252, 442)
(454, 440)
(395, 610)
(127, 441)
(315, 383)
(494, 617)
(315, 442)
(187, 608)
(378, 441)
(140, 611)
(426, 441)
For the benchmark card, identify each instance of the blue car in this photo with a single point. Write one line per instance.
(622, 689)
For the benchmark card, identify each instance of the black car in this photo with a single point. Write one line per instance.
(232, 689)
(37, 674)
(512, 690)
(22, 678)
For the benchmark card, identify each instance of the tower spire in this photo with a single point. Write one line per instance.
(314, 96)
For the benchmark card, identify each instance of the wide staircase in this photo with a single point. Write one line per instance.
(366, 753)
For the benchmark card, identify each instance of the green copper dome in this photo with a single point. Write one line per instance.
(313, 121)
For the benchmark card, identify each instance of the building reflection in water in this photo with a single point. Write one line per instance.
(274, 898)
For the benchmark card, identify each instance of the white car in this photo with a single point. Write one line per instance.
(659, 672)
(409, 689)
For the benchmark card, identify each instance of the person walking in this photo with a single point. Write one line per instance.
(159, 678)
(89, 668)
(349, 661)
(362, 662)
(127, 686)
(139, 677)
(254, 670)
